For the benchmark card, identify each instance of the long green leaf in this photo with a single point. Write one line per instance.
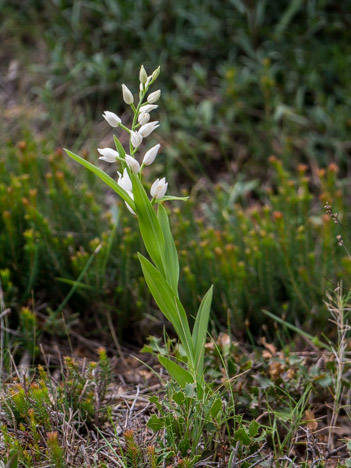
(200, 330)
(149, 225)
(104, 177)
(168, 303)
(180, 375)
(171, 254)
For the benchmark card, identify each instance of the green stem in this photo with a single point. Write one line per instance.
(134, 124)
(124, 127)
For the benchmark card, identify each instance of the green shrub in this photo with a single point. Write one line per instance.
(39, 412)
(269, 247)
(280, 254)
(56, 244)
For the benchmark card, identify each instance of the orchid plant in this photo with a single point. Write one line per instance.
(161, 271)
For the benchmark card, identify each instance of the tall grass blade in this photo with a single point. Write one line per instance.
(295, 329)
(78, 281)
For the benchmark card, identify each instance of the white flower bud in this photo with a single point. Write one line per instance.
(128, 206)
(159, 188)
(150, 155)
(124, 181)
(153, 97)
(143, 118)
(155, 73)
(147, 129)
(132, 163)
(142, 75)
(148, 107)
(108, 154)
(111, 118)
(127, 95)
(136, 139)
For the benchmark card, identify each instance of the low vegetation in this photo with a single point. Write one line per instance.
(254, 129)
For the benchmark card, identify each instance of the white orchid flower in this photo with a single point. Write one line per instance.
(150, 155)
(128, 206)
(136, 138)
(148, 108)
(159, 188)
(143, 118)
(132, 163)
(153, 97)
(108, 154)
(111, 118)
(147, 129)
(124, 181)
(142, 75)
(127, 95)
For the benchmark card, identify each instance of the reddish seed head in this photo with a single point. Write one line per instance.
(129, 435)
(277, 215)
(333, 168)
(151, 450)
(302, 168)
(22, 145)
(218, 251)
(52, 436)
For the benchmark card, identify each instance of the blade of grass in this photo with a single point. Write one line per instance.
(296, 330)
(81, 275)
(115, 220)
(75, 283)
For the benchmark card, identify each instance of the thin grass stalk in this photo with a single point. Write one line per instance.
(338, 307)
